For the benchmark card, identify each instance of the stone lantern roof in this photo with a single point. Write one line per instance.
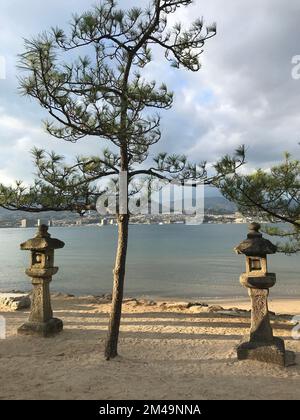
(42, 241)
(255, 245)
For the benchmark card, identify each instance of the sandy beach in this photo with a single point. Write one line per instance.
(167, 351)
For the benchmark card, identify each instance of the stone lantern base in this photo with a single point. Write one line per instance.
(41, 329)
(260, 344)
(268, 352)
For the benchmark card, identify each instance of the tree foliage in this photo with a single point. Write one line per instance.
(274, 196)
(98, 93)
(91, 82)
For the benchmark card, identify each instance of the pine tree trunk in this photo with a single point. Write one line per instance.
(111, 347)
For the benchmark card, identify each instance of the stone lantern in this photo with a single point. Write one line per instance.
(261, 345)
(41, 321)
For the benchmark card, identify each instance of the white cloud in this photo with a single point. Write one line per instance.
(244, 92)
(19, 136)
(247, 68)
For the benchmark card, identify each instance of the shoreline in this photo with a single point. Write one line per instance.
(167, 350)
(131, 224)
(279, 305)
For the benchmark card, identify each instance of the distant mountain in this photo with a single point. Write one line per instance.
(219, 204)
(216, 204)
(18, 215)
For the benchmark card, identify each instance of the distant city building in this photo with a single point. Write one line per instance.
(24, 223)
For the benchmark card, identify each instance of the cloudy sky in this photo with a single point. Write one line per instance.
(244, 93)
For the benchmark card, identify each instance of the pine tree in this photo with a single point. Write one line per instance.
(102, 93)
(273, 196)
